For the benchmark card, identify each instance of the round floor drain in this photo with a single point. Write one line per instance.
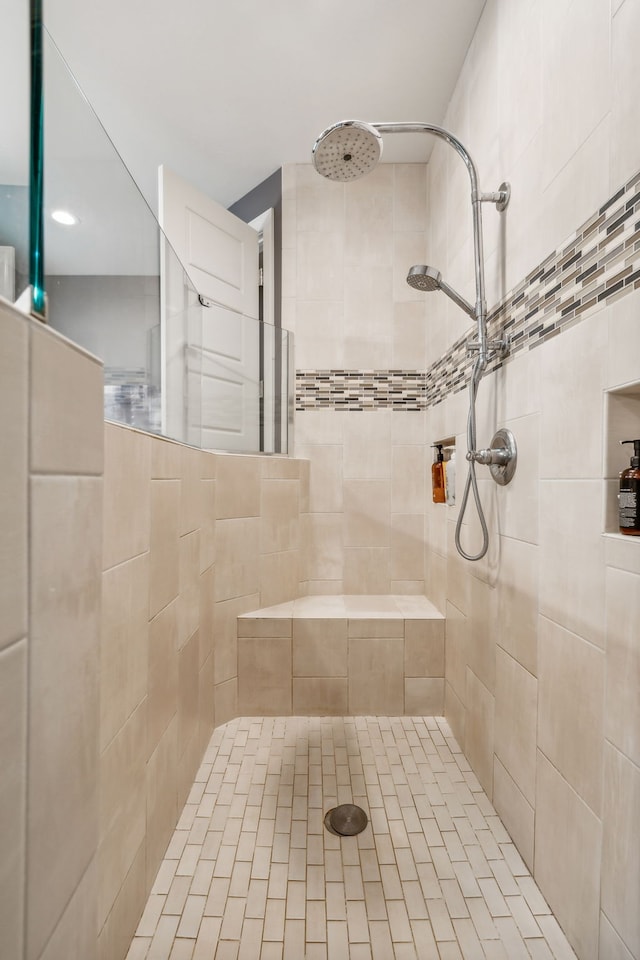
(346, 820)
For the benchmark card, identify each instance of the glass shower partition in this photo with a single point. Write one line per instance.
(115, 286)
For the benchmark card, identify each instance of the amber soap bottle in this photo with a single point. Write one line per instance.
(437, 476)
(630, 493)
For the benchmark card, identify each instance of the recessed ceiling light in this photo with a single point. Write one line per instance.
(64, 217)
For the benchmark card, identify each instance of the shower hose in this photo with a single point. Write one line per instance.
(471, 482)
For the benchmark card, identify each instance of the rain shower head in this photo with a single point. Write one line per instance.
(427, 279)
(347, 150)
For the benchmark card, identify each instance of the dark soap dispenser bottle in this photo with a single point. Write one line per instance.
(437, 476)
(630, 493)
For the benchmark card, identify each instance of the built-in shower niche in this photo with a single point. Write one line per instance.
(622, 422)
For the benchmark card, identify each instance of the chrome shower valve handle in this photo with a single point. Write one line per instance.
(501, 457)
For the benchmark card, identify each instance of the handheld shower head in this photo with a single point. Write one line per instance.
(424, 278)
(347, 150)
(427, 279)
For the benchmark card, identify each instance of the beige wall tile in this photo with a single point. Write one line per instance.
(458, 575)
(206, 704)
(226, 701)
(14, 365)
(249, 626)
(479, 727)
(435, 585)
(621, 846)
(455, 712)
(225, 628)
(456, 646)
(407, 587)
(576, 390)
(423, 697)
(382, 624)
(516, 622)
(207, 524)
(367, 445)
(122, 822)
(407, 547)
(515, 812)
(622, 723)
(322, 547)
(424, 648)
(376, 676)
(189, 597)
(319, 648)
(161, 775)
(518, 500)
(238, 551)
(319, 426)
(320, 696)
(66, 539)
(127, 493)
(162, 702)
(320, 268)
(207, 607)
(567, 858)
(516, 720)
(13, 761)
(280, 467)
(319, 334)
(481, 651)
(264, 676)
(611, 946)
(319, 203)
(369, 219)
(75, 934)
(367, 293)
(238, 490)
(66, 436)
(279, 516)
(570, 709)
(571, 557)
(188, 688)
(123, 643)
(208, 465)
(166, 459)
(325, 476)
(116, 935)
(190, 489)
(188, 763)
(409, 196)
(623, 343)
(164, 549)
(366, 570)
(366, 513)
(408, 479)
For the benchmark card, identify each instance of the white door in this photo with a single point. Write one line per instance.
(211, 353)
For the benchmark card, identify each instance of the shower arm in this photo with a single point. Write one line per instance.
(500, 198)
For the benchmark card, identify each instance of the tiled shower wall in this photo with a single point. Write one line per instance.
(50, 543)
(192, 540)
(542, 659)
(118, 638)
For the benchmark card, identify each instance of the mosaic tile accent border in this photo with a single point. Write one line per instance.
(360, 389)
(599, 263)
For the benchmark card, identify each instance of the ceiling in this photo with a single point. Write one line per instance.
(225, 93)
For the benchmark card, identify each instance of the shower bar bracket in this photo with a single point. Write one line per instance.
(498, 347)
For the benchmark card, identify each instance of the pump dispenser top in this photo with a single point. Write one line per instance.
(635, 459)
(630, 493)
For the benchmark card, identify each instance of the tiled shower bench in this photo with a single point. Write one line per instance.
(345, 655)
